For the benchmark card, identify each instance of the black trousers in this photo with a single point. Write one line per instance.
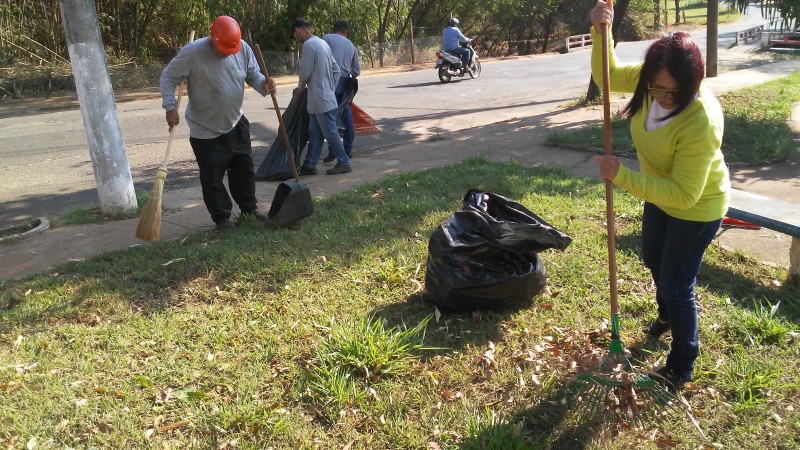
(229, 153)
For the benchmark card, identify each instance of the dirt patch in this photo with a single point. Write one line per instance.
(27, 81)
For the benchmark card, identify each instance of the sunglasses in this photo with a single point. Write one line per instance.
(662, 93)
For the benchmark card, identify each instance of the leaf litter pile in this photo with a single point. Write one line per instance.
(605, 387)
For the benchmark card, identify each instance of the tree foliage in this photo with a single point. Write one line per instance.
(153, 30)
(783, 15)
(31, 31)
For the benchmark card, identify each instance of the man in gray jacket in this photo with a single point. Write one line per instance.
(346, 55)
(216, 68)
(319, 73)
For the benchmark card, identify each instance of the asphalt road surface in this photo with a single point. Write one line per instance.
(46, 169)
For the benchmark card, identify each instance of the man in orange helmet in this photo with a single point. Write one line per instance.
(216, 68)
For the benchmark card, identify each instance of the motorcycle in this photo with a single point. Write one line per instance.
(449, 65)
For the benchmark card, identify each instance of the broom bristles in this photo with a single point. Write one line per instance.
(149, 227)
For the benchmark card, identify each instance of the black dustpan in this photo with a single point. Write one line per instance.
(292, 201)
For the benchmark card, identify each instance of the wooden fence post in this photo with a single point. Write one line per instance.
(411, 33)
(369, 42)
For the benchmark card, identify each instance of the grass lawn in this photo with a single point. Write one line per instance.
(321, 337)
(695, 12)
(756, 125)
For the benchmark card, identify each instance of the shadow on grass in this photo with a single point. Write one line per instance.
(210, 267)
(546, 424)
(453, 330)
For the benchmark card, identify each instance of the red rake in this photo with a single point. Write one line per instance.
(362, 122)
(736, 223)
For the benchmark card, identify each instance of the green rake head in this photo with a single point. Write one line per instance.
(616, 390)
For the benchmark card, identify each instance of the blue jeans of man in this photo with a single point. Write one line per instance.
(464, 53)
(347, 117)
(322, 127)
(673, 251)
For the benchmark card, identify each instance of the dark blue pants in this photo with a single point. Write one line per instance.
(349, 134)
(673, 251)
(228, 153)
(464, 53)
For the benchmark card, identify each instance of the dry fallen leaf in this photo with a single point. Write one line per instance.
(174, 425)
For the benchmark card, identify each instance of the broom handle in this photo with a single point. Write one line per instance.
(177, 108)
(281, 126)
(612, 257)
(172, 128)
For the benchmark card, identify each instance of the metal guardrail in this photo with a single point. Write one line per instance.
(750, 34)
(577, 42)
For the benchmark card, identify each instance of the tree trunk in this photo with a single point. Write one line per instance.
(620, 9)
(112, 172)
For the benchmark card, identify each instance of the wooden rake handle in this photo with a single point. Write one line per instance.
(281, 126)
(612, 256)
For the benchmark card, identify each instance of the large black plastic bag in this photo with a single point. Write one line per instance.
(275, 166)
(486, 255)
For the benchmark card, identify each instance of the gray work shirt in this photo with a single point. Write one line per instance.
(344, 52)
(215, 85)
(318, 70)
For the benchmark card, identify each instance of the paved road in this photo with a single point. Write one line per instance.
(46, 169)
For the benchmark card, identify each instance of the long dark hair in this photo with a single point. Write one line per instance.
(679, 54)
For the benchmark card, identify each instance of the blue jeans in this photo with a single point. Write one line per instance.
(673, 251)
(323, 127)
(347, 118)
(464, 53)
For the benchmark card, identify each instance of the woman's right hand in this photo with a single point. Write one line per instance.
(601, 14)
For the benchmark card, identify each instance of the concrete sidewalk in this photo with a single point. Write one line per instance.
(521, 140)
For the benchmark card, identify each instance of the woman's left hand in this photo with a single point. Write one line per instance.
(609, 166)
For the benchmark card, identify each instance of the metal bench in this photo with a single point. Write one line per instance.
(780, 40)
(774, 214)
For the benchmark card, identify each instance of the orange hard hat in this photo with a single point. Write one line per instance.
(226, 35)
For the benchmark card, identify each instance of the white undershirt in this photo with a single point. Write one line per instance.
(656, 111)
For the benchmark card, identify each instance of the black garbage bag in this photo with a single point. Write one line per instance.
(275, 166)
(486, 255)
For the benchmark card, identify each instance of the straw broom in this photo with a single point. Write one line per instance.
(149, 227)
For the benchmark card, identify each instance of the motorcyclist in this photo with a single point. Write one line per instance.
(452, 38)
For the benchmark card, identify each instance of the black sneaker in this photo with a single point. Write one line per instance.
(224, 225)
(305, 170)
(339, 168)
(657, 328)
(328, 158)
(667, 378)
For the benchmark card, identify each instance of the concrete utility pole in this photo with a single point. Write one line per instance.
(112, 172)
(712, 38)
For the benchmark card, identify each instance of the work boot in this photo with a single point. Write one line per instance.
(339, 168)
(224, 225)
(667, 378)
(657, 328)
(305, 170)
(328, 158)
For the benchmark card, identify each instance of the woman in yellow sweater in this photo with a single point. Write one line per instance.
(676, 126)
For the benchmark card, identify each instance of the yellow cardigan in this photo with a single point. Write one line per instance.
(683, 171)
